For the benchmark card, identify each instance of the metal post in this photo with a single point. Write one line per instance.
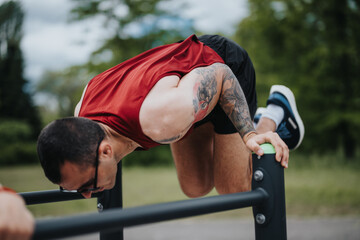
(112, 199)
(270, 217)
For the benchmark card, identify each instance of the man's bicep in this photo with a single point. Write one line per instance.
(206, 88)
(166, 112)
(177, 106)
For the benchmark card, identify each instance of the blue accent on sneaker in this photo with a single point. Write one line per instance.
(283, 132)
(258, 114)
(257, 118)
(291, 129)
(280, 100)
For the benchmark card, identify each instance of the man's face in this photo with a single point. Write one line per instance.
(77, 177)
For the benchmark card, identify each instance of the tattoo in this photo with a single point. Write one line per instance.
(233, 102)
(204, 91)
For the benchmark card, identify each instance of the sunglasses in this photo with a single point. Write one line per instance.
(95, 188)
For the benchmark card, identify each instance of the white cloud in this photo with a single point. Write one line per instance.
(211, 16)
(50, 11)
(56, 46)
(50, 42)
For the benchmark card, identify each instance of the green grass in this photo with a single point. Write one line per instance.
(31, 178)
(322, 185)
(319, 188)
(322, 192)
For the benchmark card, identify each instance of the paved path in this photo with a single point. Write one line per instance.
(347, 228)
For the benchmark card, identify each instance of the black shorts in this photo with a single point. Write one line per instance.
(239, 62)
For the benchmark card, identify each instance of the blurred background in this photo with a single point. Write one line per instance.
(49, 50)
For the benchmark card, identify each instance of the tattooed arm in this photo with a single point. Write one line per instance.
(174, 105)
(231, 97)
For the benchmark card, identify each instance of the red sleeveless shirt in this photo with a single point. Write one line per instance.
(115, 96)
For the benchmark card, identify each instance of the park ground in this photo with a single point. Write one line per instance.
(335, 228)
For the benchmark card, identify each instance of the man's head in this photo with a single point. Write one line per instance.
(74, 140)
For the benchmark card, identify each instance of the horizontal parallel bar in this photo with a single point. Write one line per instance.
(118, 218)
(49, 196)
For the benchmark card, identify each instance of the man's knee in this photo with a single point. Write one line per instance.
(196, 189)
(227, 188)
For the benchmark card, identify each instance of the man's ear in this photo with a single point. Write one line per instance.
(105, 150)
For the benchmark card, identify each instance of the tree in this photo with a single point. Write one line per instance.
(15, 101)
(65, 87)
(313, 47)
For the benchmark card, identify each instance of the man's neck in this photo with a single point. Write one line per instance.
(122, 145)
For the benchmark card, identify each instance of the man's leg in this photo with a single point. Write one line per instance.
(232, 164)
(205, 159)
(265, 124)
(193, 158)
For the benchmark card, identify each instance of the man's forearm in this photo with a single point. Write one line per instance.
(233, 102)
(231, 97)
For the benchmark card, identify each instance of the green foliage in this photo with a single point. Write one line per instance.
(313, 47)
(13, 131)
(158, 156)
(16, 143)
(15, 102)
(65, 87)
(154, 26)
(18, 153)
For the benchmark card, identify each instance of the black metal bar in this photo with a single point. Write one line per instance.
(49, 196)
(112, 199)
(118, 218)
(270, 217)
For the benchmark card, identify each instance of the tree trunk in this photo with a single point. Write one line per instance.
(349, 143)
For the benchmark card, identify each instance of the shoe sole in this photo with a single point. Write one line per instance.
(291, 98)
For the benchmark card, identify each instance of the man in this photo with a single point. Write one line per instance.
(16, 222)
(197, 95)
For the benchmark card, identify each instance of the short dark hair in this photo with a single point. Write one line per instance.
(73, 139)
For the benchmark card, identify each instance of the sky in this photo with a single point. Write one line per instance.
(51, 43)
